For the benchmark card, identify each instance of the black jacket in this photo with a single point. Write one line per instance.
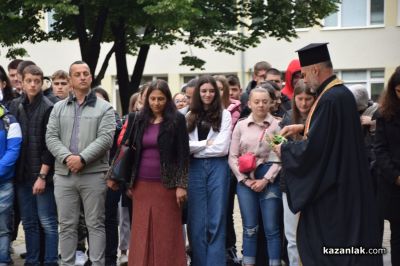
(174, 150)
(387, 151)
(328, 180)
(33, 118)
(50, 95)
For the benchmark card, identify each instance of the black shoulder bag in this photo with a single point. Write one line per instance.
(121, 166)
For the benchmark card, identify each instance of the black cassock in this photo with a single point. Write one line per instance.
(328, 181)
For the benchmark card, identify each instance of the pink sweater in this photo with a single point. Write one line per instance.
(246, 138)
(234, 109)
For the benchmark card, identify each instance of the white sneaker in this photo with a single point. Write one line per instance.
(80, 258)
(11, 249)
(123, 260)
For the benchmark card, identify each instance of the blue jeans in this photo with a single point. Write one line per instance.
(34, 209)
(269, 201)
(207, 204)
(6, 208)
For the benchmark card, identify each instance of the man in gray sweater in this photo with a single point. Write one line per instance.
(79, 134)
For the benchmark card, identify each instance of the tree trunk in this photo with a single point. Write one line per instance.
(122, 66)
(139, 68)
(94, 45)
(104, 67)
(90, 46)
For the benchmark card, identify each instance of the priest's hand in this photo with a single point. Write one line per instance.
(112, 184)
(181, 196)
(292, 130)
(259, 185)
(398, 181)
(277, 150)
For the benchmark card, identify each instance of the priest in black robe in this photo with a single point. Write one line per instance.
(327, 174)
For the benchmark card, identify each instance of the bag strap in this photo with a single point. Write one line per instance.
(135, 134)
(328, 87)
(264, 128)
(128, 137)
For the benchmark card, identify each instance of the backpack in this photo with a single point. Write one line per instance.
(5, 118)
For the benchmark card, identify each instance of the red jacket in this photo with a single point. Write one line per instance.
(293, 67)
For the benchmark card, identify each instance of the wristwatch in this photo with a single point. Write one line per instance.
(42, 176)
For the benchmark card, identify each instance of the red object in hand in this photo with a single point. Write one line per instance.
(247, 162)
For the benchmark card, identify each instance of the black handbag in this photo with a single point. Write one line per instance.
(121, 165)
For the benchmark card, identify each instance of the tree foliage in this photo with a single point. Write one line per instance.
(133, 26)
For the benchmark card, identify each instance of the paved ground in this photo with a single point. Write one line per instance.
(19, 244)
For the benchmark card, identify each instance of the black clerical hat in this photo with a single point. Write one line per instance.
(313, 53)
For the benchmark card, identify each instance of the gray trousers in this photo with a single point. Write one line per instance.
(124, 227)
(290, 221)
(68, 191)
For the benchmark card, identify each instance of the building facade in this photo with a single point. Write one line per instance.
(363, 37)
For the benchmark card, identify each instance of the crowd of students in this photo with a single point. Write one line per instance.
(56, 143)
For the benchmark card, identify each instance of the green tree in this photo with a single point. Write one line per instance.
(133, 26)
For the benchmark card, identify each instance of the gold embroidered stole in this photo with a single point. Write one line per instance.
(331, 84)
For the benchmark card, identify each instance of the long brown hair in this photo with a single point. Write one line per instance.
(389, 102)
(213, 114)
(225, 88)
(299, 88)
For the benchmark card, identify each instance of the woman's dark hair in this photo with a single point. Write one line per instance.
(225, 96)
(169, 113)
(389, 102)
(7, 91)
(213, 114)
(299, 88)
(102, 92)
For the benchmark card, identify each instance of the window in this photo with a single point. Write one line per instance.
(373, 80)
(398, 12)
(186, 78)
(49, 21)
(357, 13)
(115, 97)
(147, 78)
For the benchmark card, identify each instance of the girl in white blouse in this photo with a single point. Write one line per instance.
(209, 127)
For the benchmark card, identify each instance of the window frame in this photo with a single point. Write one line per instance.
(368, 81)
(339, 25)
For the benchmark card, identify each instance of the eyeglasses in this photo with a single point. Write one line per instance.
(62, 83)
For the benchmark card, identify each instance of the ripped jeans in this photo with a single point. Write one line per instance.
(269, 201)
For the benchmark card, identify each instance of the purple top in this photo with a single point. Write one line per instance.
(149, 169)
